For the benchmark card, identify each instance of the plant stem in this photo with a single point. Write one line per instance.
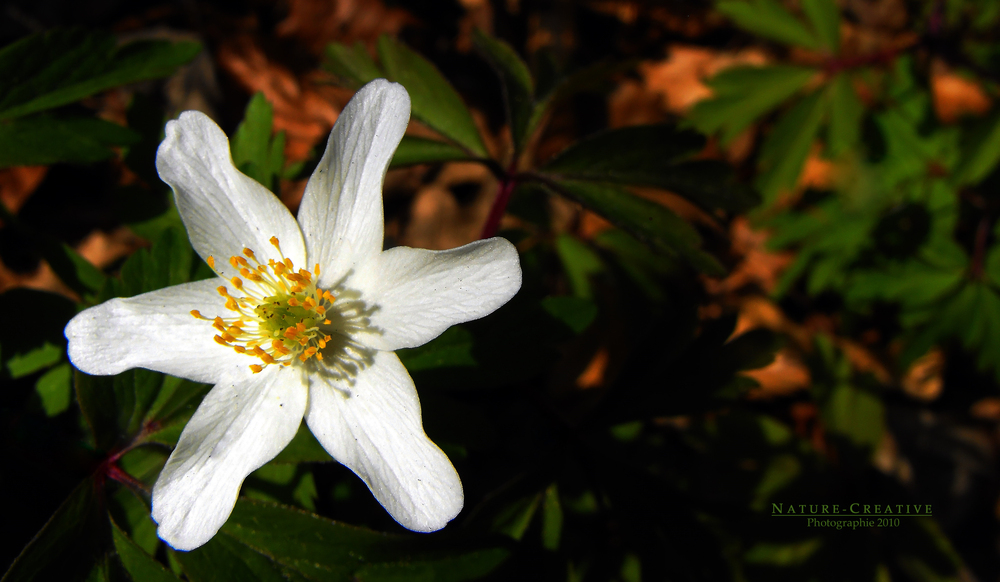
(507, 184)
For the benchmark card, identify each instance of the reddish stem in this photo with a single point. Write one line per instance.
(507, 184)
(836, 65)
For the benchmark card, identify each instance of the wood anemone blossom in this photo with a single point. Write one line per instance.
(301, 323)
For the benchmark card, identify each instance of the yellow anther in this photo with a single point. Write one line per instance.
(211, 261)
(240, 349)
(316, 269)
(242, 261)
(196, 313)
(319, 356)
(256, 369)
(321, 310)
(326, 322)
(288, 263)
(322, 344)
(262, 268)
(266, 357)
(245, 272)
(234, 262)
(223, 291)
(237, 282)
(293, 277)
(231, 304)
(291, 332)
(293, 302)
(279, 268)
(249, 253)
(308, 303)
(296, 289)
(234, 331)
(305, 274)
(274, 241)
(255, 277)
(329, 296)
(228, 337)
(301, 326)
(218, 339)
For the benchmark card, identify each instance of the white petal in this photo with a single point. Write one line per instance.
(223, 209)
(417, 294)
(341, 210)
(236, 429)
(373, 427)
(155, 331)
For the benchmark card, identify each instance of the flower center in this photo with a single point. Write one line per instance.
(279, 317)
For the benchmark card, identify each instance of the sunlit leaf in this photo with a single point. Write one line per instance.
(787, 147)
(824, 16)
(846, 111)
(433, 99)
(352, 64)
(744, 94)
(55, 389)
(770, 20)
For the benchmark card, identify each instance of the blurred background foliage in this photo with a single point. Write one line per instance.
(760, 247)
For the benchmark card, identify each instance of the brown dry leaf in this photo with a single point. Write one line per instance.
(679, 80)
(956, 96)
(924, 380)
(593, 375)
(18, 183)
(987, 409)
(102, 249)
(439, 220)
(785, 375)
(302, 109)
(760, 267)
(316, 23)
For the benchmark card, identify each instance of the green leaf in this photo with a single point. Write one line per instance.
(517, 84)
(44, 140)
(353, 65)
(264, 541)
(75, 271)
(69, 543)
(453, 348)
(304, 448)
(824, 16)
(575, 312)
(433, 99)
(55, 389)
(649, 155)
(514, 519)
(855, 413)
(58, 67)
(580, 263)
(31, 329)
(846, 112)
(552, 518)
(787, 147)
(980, 151)
(769, 19)
(744, 94)
(419, 150)
(140, 565)
(255, 153)
(648, 221)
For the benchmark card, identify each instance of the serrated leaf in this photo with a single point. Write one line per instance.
(648, 221)
(69, 544)
(261, 538)
(787, 146)
(139, 565)
(770, 20)
(433, 99)
(639, 155)
(846, 112)
(418, 150)
(352, 64)
(744, 94)
(518, 87)
(824, 16)
(58, 67)
(44, 140)
(980, 151)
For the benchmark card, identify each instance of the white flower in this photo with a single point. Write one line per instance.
(302, 323)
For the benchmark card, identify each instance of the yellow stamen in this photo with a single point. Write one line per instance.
(211, 262)
(256, 369)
